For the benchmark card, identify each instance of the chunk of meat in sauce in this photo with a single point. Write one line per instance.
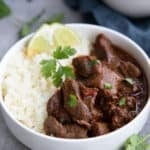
(107, 76)
(118, 115)
(89, 97)
(128, 69)
(99, 128)
(53, 127)
(105, 50)
(86, 65)
(80, 111)
(55, 107)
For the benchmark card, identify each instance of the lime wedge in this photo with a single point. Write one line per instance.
(40, 42)
(49, 37)
(64, 36)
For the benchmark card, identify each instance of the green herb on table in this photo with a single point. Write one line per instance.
(53, 68)
(129, 80)
(137, 142)
(107, 86)
(59, 17)
(27, 27)
(72, 100)
(122, 101)
(4, 9)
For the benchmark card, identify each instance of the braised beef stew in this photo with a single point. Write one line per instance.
(108, 92)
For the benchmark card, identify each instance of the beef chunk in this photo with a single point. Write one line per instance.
(128, 69)
(86, 65)
(111, 77)
(103, 49)
(131, 103)
(55, 107)
(107, 76)
(53, 127)
(99, 128)
(121, 119)
(80, 111)
(119, 116)
(89, 97)
(76, 131)
(92, 81)
(124, 88)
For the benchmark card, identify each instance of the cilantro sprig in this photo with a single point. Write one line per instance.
(27, 27)
(48, 67)
(137, 142)
(54, 69)
(63, 53)
(4, 9)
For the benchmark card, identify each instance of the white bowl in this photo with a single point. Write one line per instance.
(135, 8)
(110, 141)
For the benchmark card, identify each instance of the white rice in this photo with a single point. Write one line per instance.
(26, 91)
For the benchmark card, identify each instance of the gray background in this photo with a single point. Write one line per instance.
(22, 11)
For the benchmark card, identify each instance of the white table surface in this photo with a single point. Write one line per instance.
(22, 10)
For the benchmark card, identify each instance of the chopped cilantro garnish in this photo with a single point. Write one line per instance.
(72, 100)
(107, 86)
(94, 62)
(122, 101)
(129, 80)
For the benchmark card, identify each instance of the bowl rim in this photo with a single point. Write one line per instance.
(108, 135)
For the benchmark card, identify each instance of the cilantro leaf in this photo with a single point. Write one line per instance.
(4, 9)
(68, 72)
(48, 67)
(72, 100)
(55, 18)
(107, 86)
(136, 142)
(63, 71)
(27, 27)
(122, 101)
(129, 80)
(25, 30)
(94, 62)
(63, 52)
